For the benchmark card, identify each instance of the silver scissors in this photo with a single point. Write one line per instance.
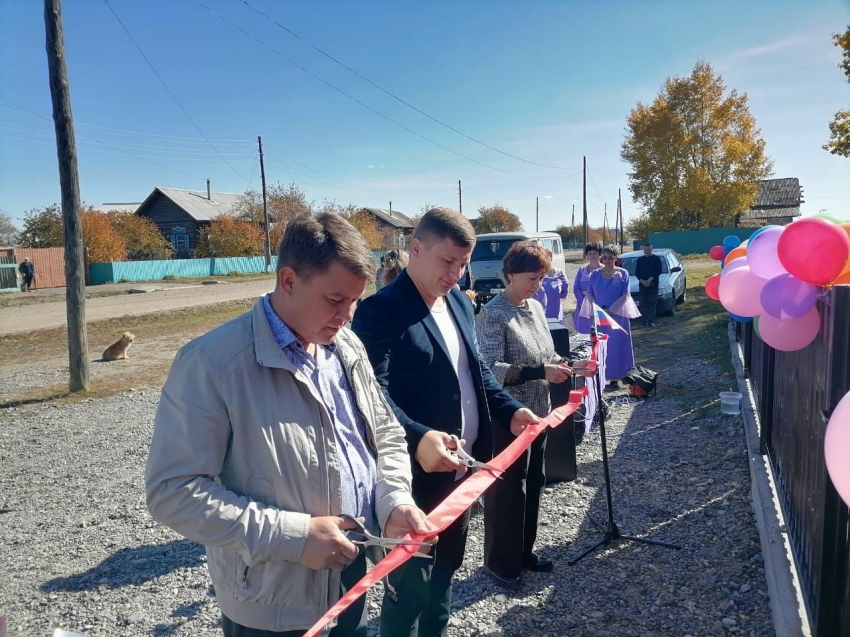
(468, 461)
(374, 540)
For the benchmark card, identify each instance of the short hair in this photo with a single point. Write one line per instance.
(526, 256)
(610, 250)
(393, 263)
(445, 223)
(647, 244)
(312, 242)
(593, 246)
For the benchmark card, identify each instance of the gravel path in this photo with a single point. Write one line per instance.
(41, 316)
(78, 548)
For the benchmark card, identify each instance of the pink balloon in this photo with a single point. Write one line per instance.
(813, 250)
(732, 265)
(762, 255)
(740, 292)
(790, 334)
(836, 448)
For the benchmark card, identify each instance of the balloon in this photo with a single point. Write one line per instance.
(791, 334)
(730, 243)
(836, 448)
(844, 277)
(717, 253)
(760, 230)
(741, 319)
(814, 250)
(740, 292)
(733, 264)
(762, 255)
(712, 287)
(734, 254)
(830, 218)
(785, 297)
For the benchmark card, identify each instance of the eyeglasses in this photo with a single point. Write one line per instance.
(607, 257)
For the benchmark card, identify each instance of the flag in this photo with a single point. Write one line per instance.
(601, 318)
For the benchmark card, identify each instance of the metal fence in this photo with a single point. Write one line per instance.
(795, 394)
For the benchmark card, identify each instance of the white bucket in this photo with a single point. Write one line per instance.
(730, 402)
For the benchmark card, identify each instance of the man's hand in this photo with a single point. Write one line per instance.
(405, 519)
(327, 547)
(432, 452)
(557, 373)
(522, 418)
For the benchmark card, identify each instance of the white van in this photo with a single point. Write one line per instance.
(484, 275)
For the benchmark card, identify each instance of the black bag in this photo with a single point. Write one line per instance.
(642, 381)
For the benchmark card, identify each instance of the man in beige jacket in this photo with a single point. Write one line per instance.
(271, 426)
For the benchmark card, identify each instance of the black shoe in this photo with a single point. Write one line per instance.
(539, 564)
(652, 324)
(510, 583)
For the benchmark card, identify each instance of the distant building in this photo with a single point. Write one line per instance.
(393, 222)
(182, 214)
(778, 203)
(119, 207)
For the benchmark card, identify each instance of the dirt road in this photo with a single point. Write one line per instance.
(14, 320)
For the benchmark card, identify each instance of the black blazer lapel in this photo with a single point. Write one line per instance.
(418, 311)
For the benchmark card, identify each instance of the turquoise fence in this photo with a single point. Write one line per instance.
(183, 268)
(157, 270)
(696, 241)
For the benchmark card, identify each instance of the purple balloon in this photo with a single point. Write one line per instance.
(786, 297)
(762, 256)
(732, 265)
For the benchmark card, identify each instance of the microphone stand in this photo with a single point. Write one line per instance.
(610, 529)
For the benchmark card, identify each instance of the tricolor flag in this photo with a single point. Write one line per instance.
(601, 318)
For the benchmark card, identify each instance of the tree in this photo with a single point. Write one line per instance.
(640, 227)
(101, 244)
(366, 225)
(8, 231)
(141, 236)
(43, 228)
(839, 127)
(497, 218)
(231, 237)
(282, 202)
(695, 152)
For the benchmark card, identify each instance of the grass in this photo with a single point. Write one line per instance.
(699, 256)
(19, 300)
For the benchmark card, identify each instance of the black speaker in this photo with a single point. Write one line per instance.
(561, 445)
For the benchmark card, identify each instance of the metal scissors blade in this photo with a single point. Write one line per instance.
(374, 540)
(468, 461)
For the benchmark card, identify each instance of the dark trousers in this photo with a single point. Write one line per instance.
(351, 623)
(421, 598)
(512, 508)
(648, 297)
(28, 282)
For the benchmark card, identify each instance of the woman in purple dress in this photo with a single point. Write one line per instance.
(608, 287)
(591, 253)
(554, 288)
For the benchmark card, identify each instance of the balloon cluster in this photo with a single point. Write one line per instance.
(836, 446)
(774, 278)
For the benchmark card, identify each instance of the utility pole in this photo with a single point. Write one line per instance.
(267, 242)
(459, 198)
(584, 194)
(620, 219)
(605, 225)
(573, 224)
(69, 181)
(537, 214)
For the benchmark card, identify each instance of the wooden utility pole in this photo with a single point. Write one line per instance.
(620, 219)
(537, 214)
(69, 181)
(459, 198)
(573, 224)
(605, 226)
(267, 241)
(584, 195)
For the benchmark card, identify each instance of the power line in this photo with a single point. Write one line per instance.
(393, 95)
(278, 162)
(170, 92)
(363, 104)
(598, 194)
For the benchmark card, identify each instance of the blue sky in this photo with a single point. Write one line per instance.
(545, 81)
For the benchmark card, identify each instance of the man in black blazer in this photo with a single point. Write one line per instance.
(419, 333)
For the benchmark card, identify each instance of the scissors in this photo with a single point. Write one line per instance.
(374, 540)
(468, 461)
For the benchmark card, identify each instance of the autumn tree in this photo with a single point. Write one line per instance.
(42, 228)
(8, 231)
(141, 236)
(696, 154)
(228, 236)
(101, 243)
(497, 218)
(282, 201)
(839, 127)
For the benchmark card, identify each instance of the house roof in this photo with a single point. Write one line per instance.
(777, 198)
(196, 204)
(394, 217)
(120, 207)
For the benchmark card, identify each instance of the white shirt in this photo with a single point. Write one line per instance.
(460, 362)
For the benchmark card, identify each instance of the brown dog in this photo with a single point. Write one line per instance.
(118, 350)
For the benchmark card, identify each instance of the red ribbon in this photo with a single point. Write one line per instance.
(453, 506)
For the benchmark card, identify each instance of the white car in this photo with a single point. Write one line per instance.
(672, 284)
